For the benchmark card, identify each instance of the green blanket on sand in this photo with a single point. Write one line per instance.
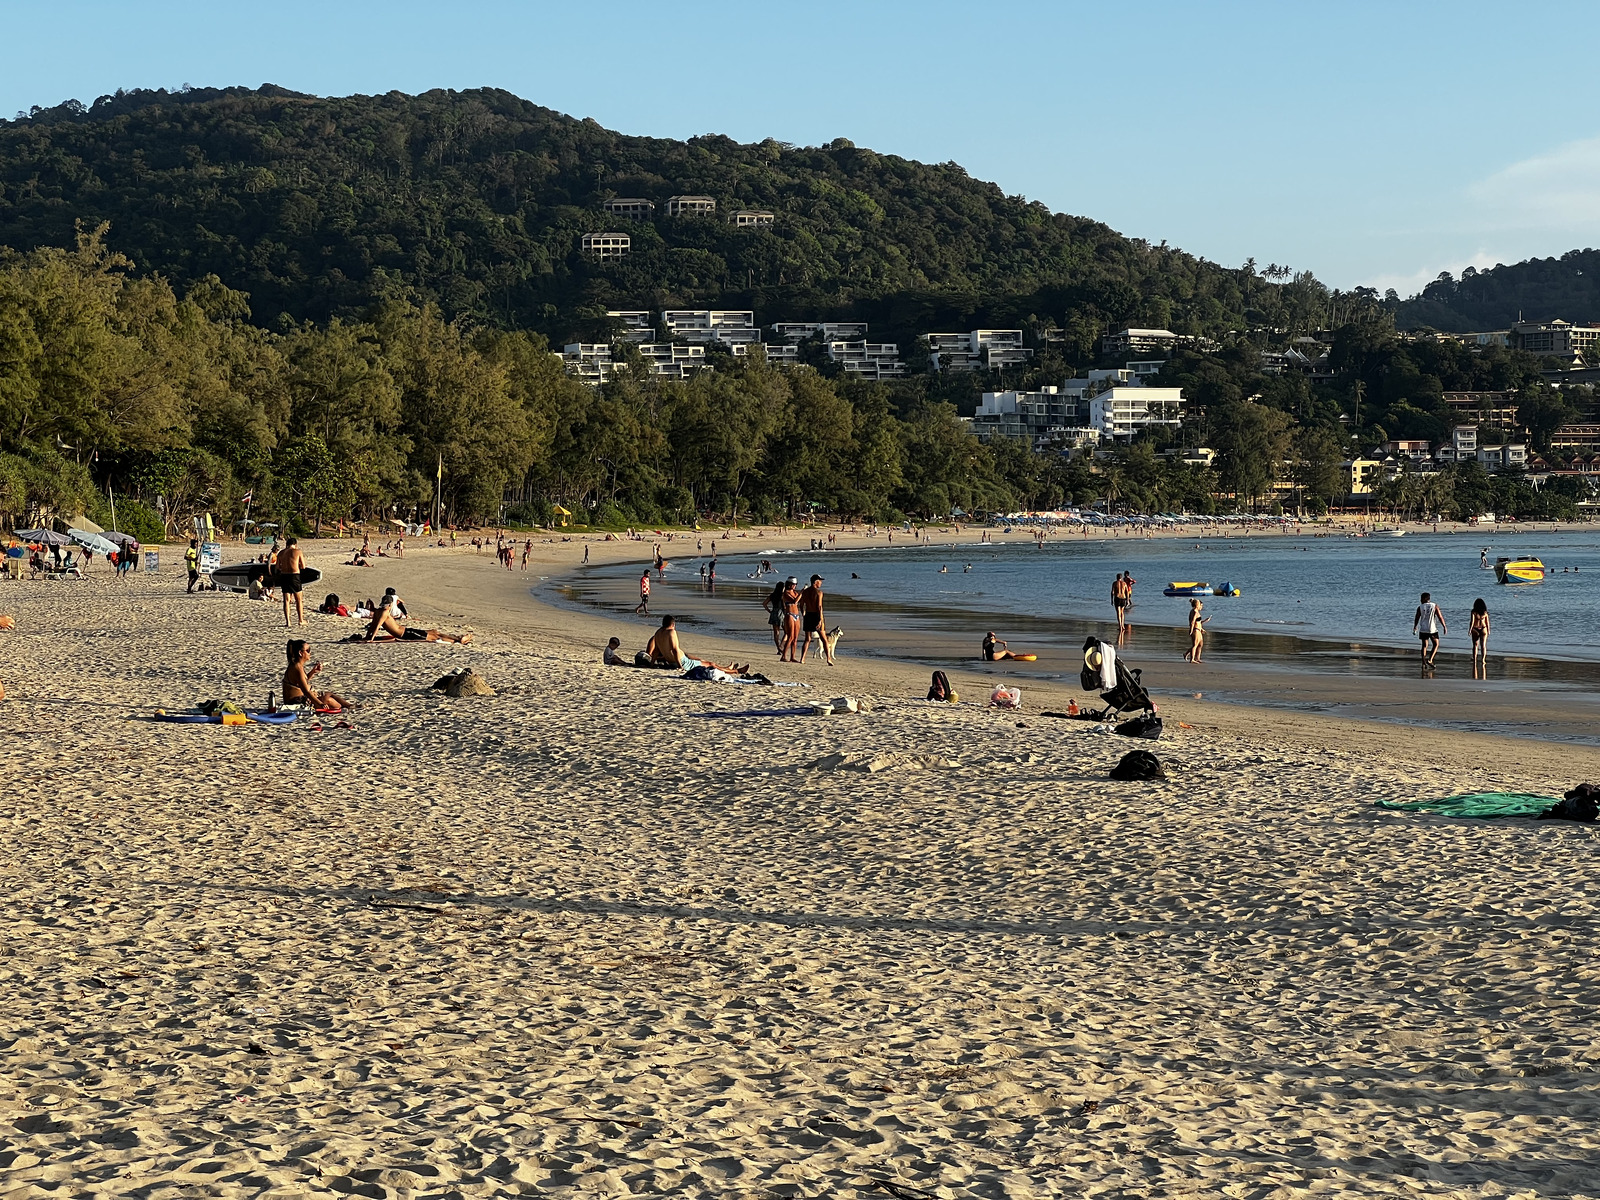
(1477, 804)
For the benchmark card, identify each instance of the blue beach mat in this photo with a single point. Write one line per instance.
(1477, 804)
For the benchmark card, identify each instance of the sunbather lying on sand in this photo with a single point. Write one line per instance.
(297, 681)
(383, 620)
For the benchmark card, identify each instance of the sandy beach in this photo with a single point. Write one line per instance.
(577, 938)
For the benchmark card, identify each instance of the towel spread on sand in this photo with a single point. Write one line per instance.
(1477, 804)
(761, 712)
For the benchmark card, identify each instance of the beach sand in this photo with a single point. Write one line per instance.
(576, 939)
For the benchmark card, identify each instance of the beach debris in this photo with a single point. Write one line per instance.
(465, 682)
(1138, 766)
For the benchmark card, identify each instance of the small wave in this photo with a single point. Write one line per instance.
(1270, 621)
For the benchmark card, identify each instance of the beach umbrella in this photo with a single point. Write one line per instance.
(92, 542)
(44, 537)
(121, 539)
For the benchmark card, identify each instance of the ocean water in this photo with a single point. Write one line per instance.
(1325, 594)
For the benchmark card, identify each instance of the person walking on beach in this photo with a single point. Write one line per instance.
(290, 563)
(1197, 632)
(1478, 631)
(1428, 624)
(812, 619)
(643, 607)
(191, 559)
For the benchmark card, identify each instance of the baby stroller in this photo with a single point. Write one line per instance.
(1127, 695)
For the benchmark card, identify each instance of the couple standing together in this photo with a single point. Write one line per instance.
(791, 612)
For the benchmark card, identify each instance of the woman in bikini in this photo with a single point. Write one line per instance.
(297, 687)
(1478, 630)
(1197, 632)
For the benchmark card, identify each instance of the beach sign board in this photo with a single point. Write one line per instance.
(210, 556)
(151, 559)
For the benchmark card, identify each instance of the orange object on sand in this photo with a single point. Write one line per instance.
(235, 719)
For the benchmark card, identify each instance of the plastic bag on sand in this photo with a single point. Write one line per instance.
(1006, 697)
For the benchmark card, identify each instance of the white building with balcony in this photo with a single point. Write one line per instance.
(1463, 445)
(870, 360)
(751, 218)
(978, 350)
(690, 206)
(630, 208)
(591, 363)
(1049, 417)
(831, 331)
(1121, 412)
(607, 245)
(636, 325)
(731, 326)
(673, 361)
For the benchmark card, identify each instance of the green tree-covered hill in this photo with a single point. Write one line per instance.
(477, 201)
(1536, 290)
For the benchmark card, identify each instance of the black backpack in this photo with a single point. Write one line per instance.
(940, 688)
(1138, 766)
(1145, 725)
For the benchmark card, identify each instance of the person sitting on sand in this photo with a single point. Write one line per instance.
(612, 657)
(663, 651)
(297, 687)
(994, 649)
(383, 619)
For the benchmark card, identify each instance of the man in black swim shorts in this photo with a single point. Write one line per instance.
(290, 562)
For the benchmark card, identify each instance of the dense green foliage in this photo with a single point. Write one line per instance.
(342, 307)
(1539, 289)
(476, 202)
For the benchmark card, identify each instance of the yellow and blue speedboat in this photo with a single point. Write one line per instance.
(1518, 570)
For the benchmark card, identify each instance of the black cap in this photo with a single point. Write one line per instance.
(817, 579)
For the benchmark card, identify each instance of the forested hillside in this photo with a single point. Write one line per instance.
(1536, 290)
(477, 201)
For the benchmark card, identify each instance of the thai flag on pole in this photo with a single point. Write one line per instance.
(246, 498)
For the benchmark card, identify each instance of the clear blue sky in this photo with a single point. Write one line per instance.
(1374, 143)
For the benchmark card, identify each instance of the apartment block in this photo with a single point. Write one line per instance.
(831, 331)
(1499, 457)
(1576, 437)
(1121, 412)
(591, 363)
(870, 360)
(1491, 408)
(711, 325)
(782, 352)
(1463, 445)
(1555, 339)
(748, 218)
(978, 350)
(1048, 417)
(690, 206)
(637, 326)
(607, 245)
(631, 207)
(1133, 340)
(673, 361)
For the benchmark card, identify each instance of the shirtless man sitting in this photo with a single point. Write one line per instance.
(297, 687)
(383, 620)
(664, 651)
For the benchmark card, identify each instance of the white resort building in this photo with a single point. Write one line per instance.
(607, 245)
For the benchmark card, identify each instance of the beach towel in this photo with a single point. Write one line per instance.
(762, 712)
(1477, 804)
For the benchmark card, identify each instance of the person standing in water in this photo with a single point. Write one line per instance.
(1428, 624)
(1197, 632)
